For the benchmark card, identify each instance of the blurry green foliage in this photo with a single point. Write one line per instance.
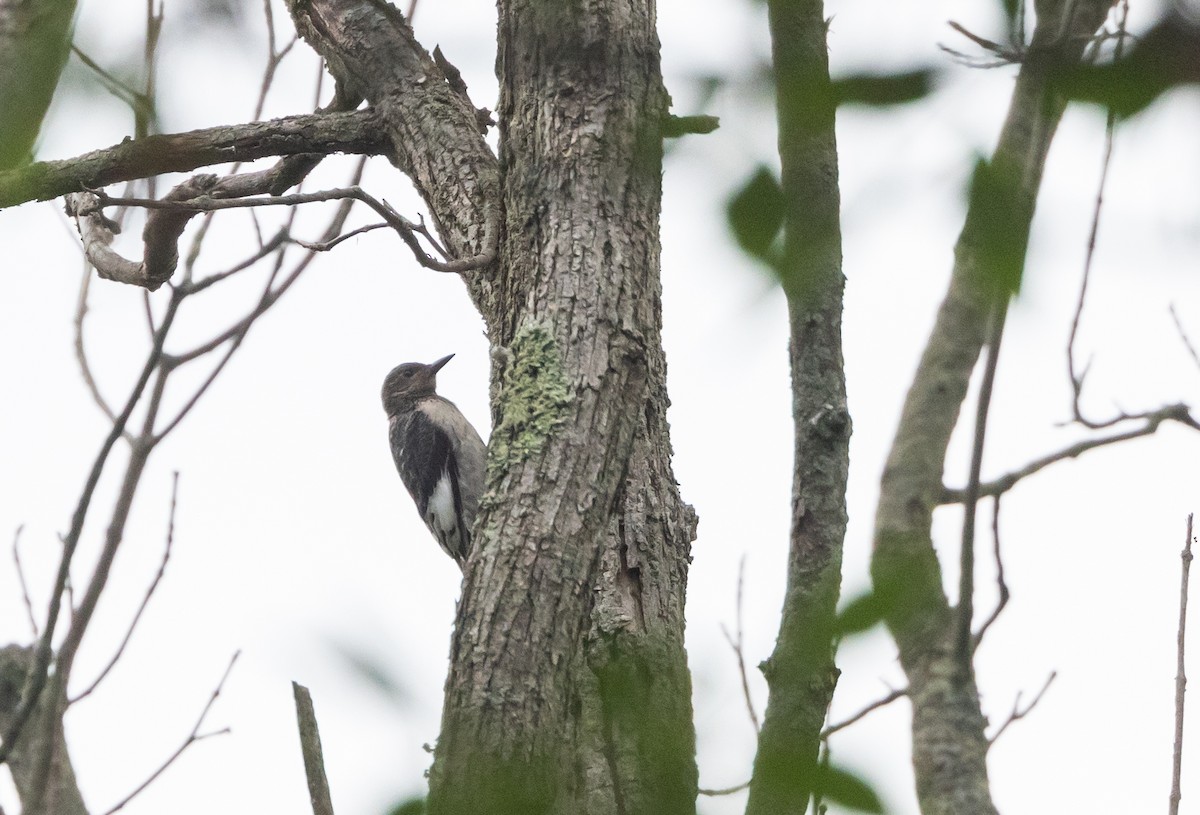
(997, 225)
(755, 215)
(883, 89)
(409, 806)
(1165, 57)
(842, 787)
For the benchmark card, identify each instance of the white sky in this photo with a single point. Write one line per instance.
(295, 538)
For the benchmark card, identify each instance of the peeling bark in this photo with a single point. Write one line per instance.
(800, 672)
(949, 745)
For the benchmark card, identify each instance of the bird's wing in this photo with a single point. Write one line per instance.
(467, 449)
(425, 457)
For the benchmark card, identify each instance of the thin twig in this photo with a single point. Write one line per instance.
(36, 680)
(1018, 712)
(16, 553)
(310, 748)
(162, 568)
(1077, 376)
(739, 650)
(878, 703)
(325, 246)
(1187, 343)
(406, 229)
(1180, 672)
(724, 791)
(966, 585)
(85, 368)
(192, 738)
(1153, 419)
(237, 333)
(264, 249)
(1001, 585)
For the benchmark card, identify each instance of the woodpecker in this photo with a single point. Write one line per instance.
(439, 455)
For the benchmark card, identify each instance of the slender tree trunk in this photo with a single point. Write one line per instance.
(949, 744)
(568, 690)
(800, 672)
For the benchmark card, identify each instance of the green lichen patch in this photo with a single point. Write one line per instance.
(534, 397)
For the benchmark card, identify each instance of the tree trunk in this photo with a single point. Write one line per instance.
(568, 690)
(800, 672)
(35, 36)
(949, 744)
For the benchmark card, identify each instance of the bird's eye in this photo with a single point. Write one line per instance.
(408, 374)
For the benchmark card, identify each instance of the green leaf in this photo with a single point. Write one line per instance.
(845, 788)
(885, 89)
(755, 213)
(861, 613)
(998, 224)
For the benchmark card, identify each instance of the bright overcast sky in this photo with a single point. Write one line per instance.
(296, 543)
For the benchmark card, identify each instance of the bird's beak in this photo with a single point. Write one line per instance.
(437, 366)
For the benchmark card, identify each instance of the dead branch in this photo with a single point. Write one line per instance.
(1180, 671)
(191, 739)
(310, 748)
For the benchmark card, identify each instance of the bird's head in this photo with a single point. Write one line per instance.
(409, 382)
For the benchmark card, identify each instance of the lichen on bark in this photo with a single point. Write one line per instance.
(536, 396)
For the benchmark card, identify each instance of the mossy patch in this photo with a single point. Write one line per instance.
(534, 397)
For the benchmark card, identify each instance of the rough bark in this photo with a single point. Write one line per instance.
(370, 49)
(568, 690)
(34, 37)
(324, 133)
(949, 745)
(800, 672)
(58, 793)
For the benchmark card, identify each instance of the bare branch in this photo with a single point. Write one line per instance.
(1018, 712)
(1001, 585)
(724, 791)
(1077, 376)
(16, 553)
(1180, 671)
(356, 132)
(878, 703)
(310, 747)
(406, 229)
(1187, 343)
(161, 235)
(966, 585)
(325, 246)
(1152, 420)
(36, 680)
(739, 651)
(191, 739)
(162, 568)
